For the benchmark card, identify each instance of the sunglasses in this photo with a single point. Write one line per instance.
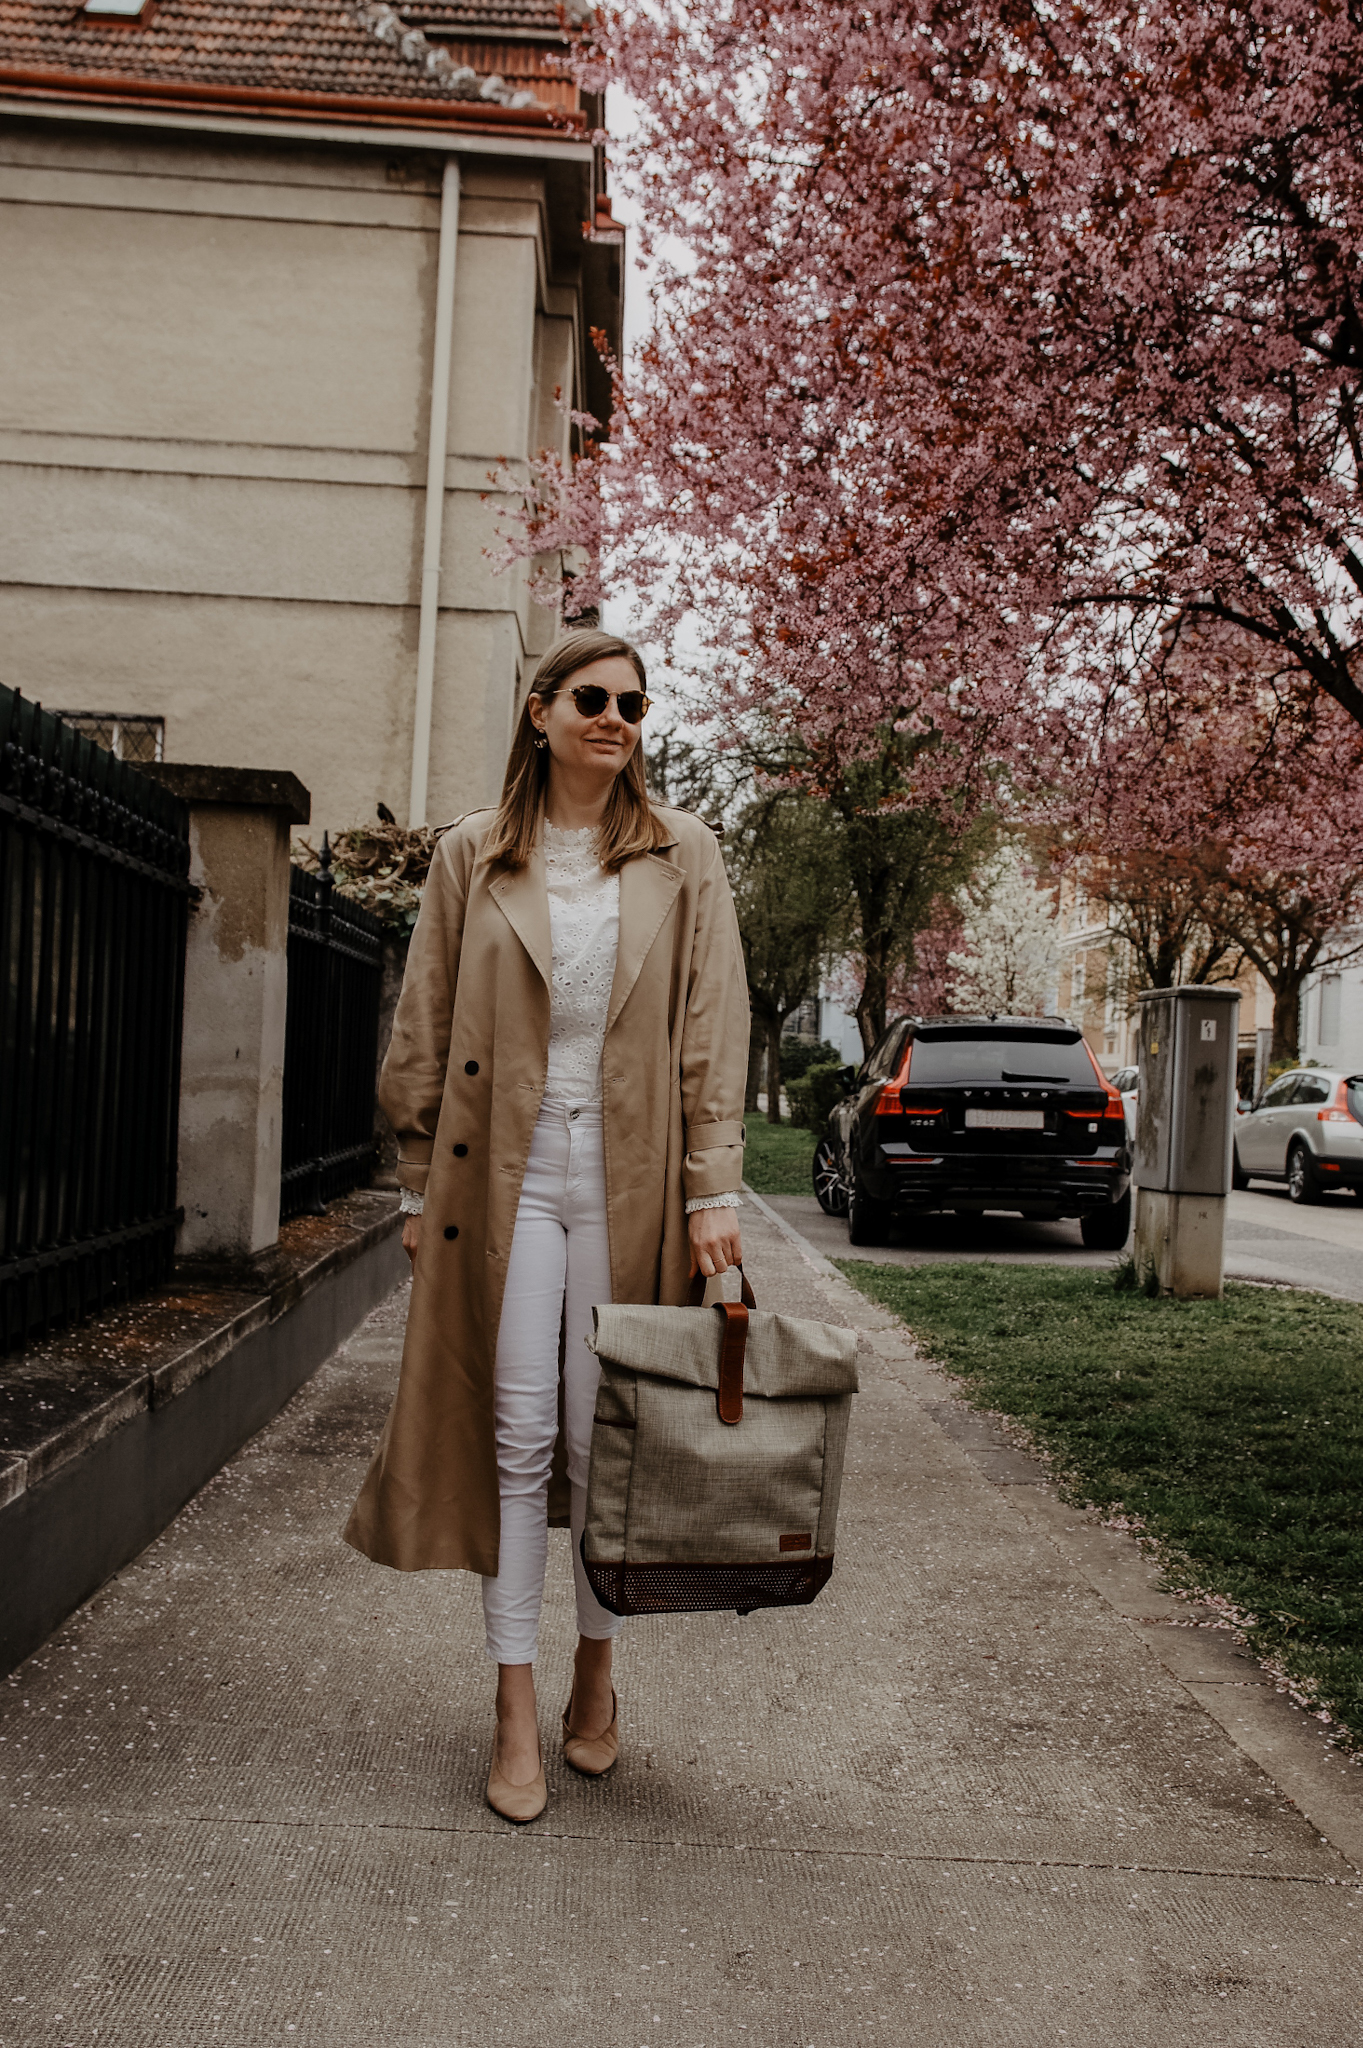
(591, 700)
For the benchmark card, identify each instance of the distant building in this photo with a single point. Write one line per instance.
(258, 263)
(1100, 982)
(1332, 1016)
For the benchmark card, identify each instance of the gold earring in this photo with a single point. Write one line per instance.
(541, 742)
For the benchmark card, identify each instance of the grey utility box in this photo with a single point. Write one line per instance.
(1185, 1114)
(1185, 1106)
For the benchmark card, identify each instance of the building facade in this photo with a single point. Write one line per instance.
(1332, 1014)
(286, 291)
(1099, 985)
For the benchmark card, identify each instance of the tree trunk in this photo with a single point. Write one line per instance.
(874, 997)
(1287, 1018)
(757, 1048)
(1285, 943)
(774, 1069)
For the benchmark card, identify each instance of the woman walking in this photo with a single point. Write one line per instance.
(566, 1081)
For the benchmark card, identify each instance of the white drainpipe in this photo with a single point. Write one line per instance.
(435, 492)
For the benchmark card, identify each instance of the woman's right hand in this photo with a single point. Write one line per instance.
(411, 1237)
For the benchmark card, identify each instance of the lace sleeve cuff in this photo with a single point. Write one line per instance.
(411, 1205)
(711, 1202)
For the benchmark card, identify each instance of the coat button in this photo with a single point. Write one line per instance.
(461, 1151)
(451, 1230)
(470, 1066)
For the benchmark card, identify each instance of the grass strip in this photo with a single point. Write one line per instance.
(1233, 1429)
(778, 1159)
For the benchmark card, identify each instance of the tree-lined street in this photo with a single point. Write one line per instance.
(976, 483)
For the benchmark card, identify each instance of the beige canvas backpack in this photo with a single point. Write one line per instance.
(717, 1454)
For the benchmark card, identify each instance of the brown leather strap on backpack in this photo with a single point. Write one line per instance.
(729, 1399)
(733, 1346)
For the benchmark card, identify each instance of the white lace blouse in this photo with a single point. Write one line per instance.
(584, 928)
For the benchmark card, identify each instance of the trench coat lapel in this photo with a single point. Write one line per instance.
(523, 899)
(648, 888)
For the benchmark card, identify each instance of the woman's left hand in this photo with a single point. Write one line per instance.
(715, 1241)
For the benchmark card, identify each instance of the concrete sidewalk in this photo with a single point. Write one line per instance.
(964, 1799)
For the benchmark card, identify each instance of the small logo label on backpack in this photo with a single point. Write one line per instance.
(798, 1542)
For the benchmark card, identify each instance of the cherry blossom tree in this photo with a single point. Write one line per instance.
(1222, 837)
(995, 352)
(986, 340)
(1173, 907)
(920, 983)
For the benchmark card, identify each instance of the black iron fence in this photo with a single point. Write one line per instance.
(331, 1043)
(94, 887)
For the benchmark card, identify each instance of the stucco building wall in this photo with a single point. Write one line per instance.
(213, 425)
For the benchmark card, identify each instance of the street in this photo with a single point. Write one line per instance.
(993, 1788)
(1268, 1238)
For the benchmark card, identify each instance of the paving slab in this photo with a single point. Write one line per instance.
(960, 1800)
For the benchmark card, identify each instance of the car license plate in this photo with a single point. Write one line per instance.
(1005, 1119)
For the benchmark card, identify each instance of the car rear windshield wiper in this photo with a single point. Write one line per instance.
(1055, 1080)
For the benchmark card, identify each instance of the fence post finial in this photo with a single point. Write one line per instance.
(325, 880)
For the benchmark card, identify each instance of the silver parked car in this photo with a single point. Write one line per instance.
(1125, 1081)
(1305, 1129)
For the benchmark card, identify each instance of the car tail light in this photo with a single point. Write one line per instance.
(887, 1102)
(890, 1101)
(1338, 1111)
(1115, 1108)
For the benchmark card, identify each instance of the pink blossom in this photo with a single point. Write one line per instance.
(999, 337)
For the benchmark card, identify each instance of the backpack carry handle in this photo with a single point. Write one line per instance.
(700, 1281)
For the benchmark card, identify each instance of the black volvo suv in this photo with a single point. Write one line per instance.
(974, 1113)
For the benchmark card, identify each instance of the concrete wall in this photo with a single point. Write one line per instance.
(63, 1537)
(212, 448)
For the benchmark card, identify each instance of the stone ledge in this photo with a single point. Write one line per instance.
(107, 1431)
(269, 789)
(57, 1399)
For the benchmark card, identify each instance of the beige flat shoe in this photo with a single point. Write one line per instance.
(519, 1803)
(593, 1755)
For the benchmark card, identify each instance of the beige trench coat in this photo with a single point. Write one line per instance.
(462, 1085)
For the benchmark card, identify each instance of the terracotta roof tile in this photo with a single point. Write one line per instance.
(486, 17)
(311, 46)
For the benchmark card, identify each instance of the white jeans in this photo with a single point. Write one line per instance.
(559, 1267)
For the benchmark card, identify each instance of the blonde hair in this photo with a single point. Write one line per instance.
(630, 826)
